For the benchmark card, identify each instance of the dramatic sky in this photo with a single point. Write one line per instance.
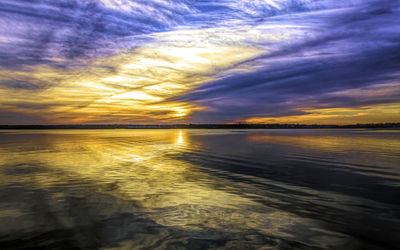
(199, 61)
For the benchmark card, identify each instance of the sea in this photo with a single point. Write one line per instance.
(200, 189)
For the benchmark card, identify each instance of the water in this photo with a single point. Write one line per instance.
(200, 189)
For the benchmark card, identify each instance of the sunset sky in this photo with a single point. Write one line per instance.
(199, 61)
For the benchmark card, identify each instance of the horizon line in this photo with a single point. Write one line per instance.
(393, 124)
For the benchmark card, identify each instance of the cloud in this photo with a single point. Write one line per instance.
(63, 33)
(69, 32)
(133, 87)
(17, 84)
(16, 118)
(195, 61)
(357, 48)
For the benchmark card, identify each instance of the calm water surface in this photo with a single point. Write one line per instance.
(200, 189)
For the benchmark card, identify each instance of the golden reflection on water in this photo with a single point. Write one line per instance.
(180, 140)
(150, 172)
(142, 166)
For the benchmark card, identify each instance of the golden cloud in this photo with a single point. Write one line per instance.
(134, 86)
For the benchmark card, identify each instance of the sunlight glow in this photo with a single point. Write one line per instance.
(179, 139)
(368, 114)
(136, 95)
(141, 85)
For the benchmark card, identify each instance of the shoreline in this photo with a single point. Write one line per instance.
(206, 126)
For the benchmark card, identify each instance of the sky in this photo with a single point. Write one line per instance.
(199, 61)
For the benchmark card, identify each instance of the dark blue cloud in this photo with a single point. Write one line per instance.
(16, 118)
(357, 47)
(38, 31)
(19, 84)
(334, 46)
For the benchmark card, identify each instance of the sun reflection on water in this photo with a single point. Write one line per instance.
(142, 166)
(180, 138)
(150, 172)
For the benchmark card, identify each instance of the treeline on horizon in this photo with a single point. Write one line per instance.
(200, 126)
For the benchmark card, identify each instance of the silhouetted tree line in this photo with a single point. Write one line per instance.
(201, 126)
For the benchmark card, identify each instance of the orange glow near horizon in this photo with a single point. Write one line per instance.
(339, 116)
(144, 85)
(139, 86)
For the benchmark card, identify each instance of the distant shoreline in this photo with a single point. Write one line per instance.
(203, 126)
